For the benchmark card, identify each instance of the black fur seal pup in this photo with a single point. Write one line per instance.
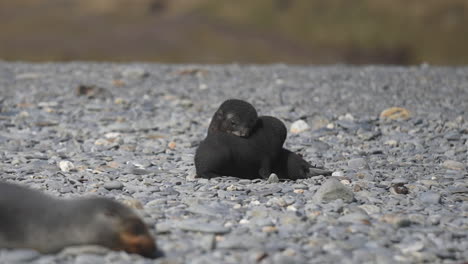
(32, 219)
(226, 154)
(239, 118)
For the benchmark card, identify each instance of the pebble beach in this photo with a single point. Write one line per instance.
(396, 139)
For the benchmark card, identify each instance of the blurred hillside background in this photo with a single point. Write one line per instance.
(243, 31)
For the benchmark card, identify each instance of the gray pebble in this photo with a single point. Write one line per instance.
(357, 163)
(89, 259)
(204, 227)
(18, 256)
(113, 185)
(354, 218)
(430, 197)
(331, 190)
(454, 165)
(273, 178)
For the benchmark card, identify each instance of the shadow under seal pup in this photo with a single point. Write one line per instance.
(34, 220)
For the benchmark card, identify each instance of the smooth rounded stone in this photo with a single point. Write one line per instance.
(454, 175)
(363, 228)
(453, 165)
(429, 197)
(417, 218)
(299, 126)
(315, 146)
(331, 190)
(138, 171)
(370, 208)
(347, 124)
(89, 259)
(132, 203)
(357, 163)
(261, 212)
(207, 242)
(66, 166)
(410, 247)
(262, 222)
(338, 174)
(191, 175)
(395, 113)
(200, 259)
(163, 227)
(335, 206)
(279, 201)
(391, 143)
(300, 186)
(273, 178)
(267, 191)
(204, 227)
(18, 256)
(458, 189)
(242, 242)
(134, 72)
(244, 181)
(434, 219)
(287, 259)
(113, 185)
(287, 189)
(453, 135)
(213, 209)
(385, 257)
(399, 180)
(44, 259)
(354, 218)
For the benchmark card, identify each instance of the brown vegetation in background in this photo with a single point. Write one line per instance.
(245, 31)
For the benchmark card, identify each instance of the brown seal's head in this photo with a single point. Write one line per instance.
(117, 227)
(235, 117)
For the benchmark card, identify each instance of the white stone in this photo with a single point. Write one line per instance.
(299, 126)
(134, 72)
(338, 174)
(112, 135)
(347, 117)
(243, 221)
(391, 142)
(66, 166)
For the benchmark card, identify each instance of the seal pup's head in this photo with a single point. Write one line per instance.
(235, 117)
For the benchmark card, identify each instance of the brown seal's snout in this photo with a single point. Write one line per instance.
(142, 244)
(135, 238)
